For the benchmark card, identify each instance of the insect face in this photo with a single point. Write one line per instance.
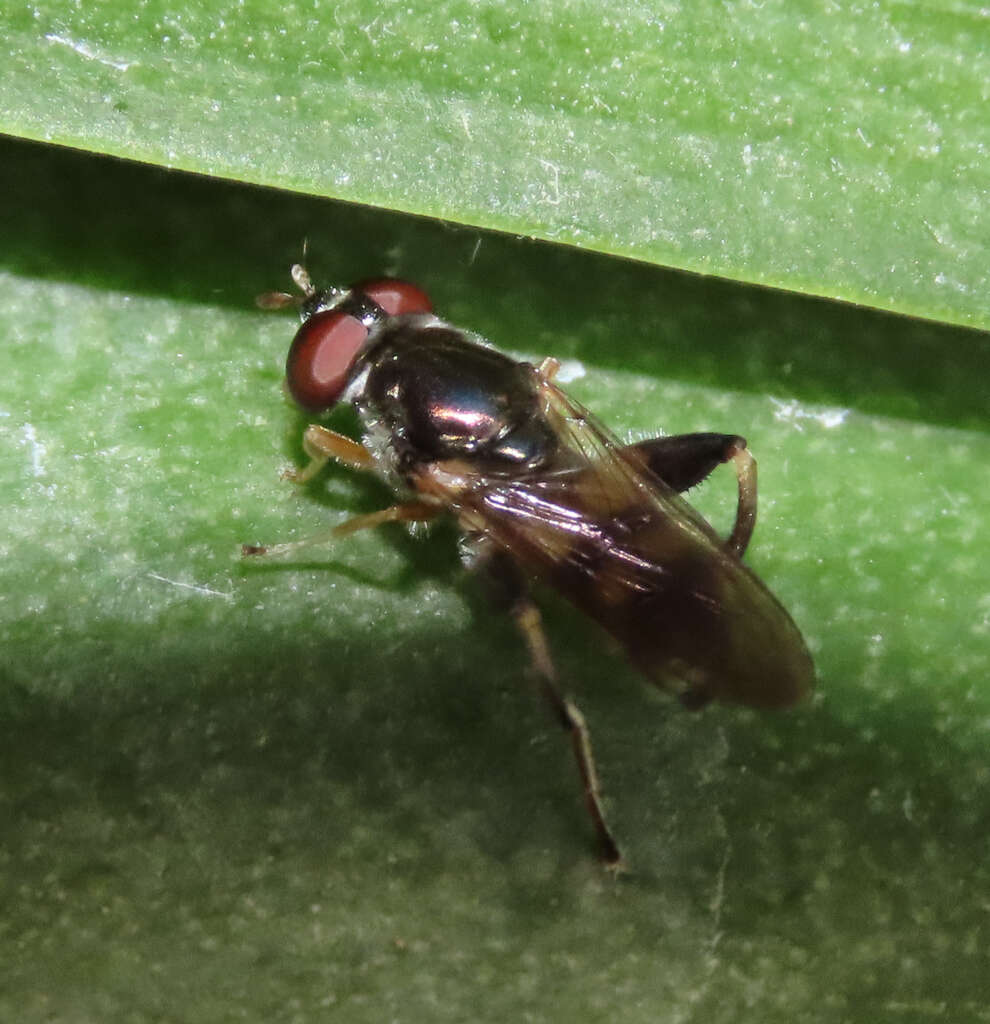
(335, 326)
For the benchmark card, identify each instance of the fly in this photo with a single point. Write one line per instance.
(543, 493)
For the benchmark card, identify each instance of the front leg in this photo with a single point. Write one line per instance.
(322, 445)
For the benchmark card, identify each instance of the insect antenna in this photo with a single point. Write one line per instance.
(300, 278)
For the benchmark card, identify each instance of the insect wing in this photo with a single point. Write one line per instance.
(627, 550)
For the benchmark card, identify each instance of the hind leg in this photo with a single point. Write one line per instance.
(511, 590)
(684, 460)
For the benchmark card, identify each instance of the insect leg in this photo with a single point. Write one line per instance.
(548, 368)
(569, 716)
(746, 509)
(684, 460)
(411, 511)
(508, 587)
(408, 512)
(322, 445)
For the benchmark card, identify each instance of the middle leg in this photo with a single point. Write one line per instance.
(410, 512)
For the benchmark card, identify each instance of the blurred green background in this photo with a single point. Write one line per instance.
(241, 792)
(834, 148)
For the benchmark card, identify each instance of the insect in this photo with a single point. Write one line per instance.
(543, 493)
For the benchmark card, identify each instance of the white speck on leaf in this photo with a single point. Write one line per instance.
(87, 51)
(570, 370)
(552, 195)
(792, 411)
(37, 449)
(192, 586)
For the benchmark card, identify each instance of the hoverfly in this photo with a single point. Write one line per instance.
(543, 493)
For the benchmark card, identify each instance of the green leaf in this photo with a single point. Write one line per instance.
(836, 149)
(292, 792)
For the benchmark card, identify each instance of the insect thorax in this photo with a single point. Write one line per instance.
(430, 393)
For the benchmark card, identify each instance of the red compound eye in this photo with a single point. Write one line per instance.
(320, 358)
(325, 345)
(395, 296)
